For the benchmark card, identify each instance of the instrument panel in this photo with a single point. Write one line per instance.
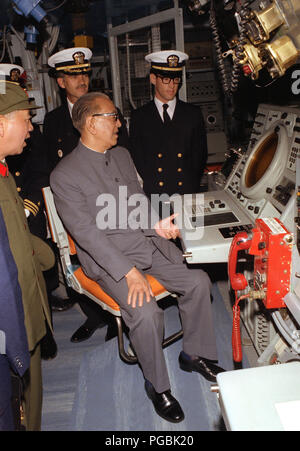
(261, 184)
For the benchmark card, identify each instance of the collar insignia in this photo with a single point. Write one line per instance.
(3, 170)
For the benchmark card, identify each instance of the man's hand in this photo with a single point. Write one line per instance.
(138, 287)
(166, 228)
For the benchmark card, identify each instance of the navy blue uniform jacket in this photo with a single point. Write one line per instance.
(170, 158)
(12, 323)
(30, 172)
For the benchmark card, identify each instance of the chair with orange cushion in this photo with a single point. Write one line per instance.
(79, 282)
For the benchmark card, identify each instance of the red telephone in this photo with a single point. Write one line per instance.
(271, 244)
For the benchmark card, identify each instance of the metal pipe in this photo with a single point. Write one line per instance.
(128, 73)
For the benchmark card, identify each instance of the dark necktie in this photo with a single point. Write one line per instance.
(166, 117)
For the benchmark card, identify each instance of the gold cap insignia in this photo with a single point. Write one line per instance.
(14, 74)
(78, 57)
(173, 60)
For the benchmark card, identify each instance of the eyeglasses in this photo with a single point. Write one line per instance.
(114, 115)
(167, 80)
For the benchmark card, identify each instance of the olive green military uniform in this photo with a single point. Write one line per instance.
(32, 256)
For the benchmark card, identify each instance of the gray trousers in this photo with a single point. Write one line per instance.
(146, 323)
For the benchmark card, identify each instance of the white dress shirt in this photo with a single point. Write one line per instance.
(170, 110)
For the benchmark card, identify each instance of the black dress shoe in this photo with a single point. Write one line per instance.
(48, 347)
(59, 304)
(201, 365)
(165, 405)
(84, 332)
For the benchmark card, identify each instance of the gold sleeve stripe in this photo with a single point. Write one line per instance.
(31, 206)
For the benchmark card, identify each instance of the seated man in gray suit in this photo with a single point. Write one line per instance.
(117, 254)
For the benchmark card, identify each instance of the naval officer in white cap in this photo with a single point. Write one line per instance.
(12, 72)
(167, 136)
(72, 69)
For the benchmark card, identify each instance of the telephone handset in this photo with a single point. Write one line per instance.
(241, 241)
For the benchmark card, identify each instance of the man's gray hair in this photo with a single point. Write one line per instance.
(86, 106)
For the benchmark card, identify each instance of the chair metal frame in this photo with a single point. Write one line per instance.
(80, 283)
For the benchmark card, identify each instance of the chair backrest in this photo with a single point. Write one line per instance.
(60, 236)
(57, 230)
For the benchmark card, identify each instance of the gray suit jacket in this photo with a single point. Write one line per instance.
(76, 182)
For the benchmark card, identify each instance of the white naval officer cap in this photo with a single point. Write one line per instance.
(11, 72)
(72, 61)
(167, 62)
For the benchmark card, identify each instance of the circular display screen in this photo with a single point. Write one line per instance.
(261, 160)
